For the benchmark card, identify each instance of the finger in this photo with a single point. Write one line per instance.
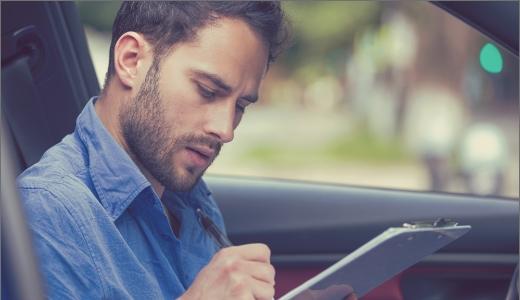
(352, 297)
(339, 290)
(305, 295)
(256, 252)
(259, 270)
(262, 290)
(239, 286)
(342, 291)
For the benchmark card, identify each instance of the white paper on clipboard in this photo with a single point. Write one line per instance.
(388, 254)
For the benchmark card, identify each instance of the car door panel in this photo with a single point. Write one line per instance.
(310, 226)
(47, 73)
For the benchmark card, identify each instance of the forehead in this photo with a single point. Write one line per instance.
(227, 47)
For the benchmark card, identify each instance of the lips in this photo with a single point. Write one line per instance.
(201, 156)
(205, 152)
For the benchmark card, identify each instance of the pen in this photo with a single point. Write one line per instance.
(220, 238)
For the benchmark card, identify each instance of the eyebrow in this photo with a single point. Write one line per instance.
(221, 84)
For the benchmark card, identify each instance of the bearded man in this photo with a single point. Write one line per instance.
(112, 207)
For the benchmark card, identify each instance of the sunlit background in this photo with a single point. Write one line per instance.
(396, 95)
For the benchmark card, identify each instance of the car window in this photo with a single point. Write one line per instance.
(397, 95)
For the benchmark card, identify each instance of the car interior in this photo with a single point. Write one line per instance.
(48, 76)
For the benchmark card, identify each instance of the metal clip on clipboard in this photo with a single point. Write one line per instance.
(441, 222)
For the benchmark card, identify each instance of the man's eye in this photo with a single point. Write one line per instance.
(206, 93)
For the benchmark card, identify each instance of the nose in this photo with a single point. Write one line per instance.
(221, 122)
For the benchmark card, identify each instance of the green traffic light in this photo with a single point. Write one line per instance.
(491, 59)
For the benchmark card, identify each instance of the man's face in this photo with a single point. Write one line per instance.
(191, 102)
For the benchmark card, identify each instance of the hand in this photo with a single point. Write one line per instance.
(333, 292)
(240, 272)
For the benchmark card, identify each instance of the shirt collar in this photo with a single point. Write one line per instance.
(197, 197)
(116, 178)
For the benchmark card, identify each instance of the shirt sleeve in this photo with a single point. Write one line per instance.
(66, 263)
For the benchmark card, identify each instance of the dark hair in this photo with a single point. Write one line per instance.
(166, 23)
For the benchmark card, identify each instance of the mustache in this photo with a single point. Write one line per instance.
(201, 140)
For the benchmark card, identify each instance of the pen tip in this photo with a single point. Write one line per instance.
(199, 212)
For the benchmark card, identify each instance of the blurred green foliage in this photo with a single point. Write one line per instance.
(98, 14)
(359, 146)
(321, 27)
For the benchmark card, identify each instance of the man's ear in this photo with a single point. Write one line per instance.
(131, 53)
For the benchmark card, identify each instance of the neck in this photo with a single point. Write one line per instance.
(108, 111)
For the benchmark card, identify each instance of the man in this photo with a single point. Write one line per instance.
(112, 206)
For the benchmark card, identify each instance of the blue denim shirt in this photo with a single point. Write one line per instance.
(100, 231)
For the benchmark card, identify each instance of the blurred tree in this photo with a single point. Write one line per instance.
(321, 28)
(98, 14)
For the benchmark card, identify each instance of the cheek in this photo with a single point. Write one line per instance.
(183, 113)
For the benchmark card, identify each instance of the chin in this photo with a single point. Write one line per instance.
(184, 182)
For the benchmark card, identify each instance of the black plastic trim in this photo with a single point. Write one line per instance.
(479, 260)
(496, 19)
(310, 218)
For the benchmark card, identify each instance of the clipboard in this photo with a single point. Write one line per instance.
(386, 255)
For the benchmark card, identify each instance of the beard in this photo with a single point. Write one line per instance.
(154, 143)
